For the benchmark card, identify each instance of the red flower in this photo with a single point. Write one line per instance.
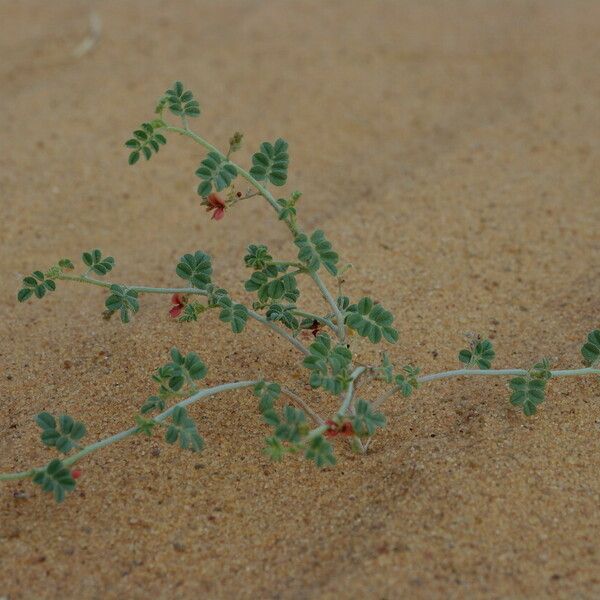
(315, 328)
(335, 429)
(216, 203)
(178, 301)
(76, 473)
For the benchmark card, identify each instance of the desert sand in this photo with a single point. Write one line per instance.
(451, 152)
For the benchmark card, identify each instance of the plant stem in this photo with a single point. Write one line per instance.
(341, 329)
(484, 373)
(291, 339)
(350, 391)
(157, 290)
(144, 289)
(315, 416)
(71, 460)
(242, 172)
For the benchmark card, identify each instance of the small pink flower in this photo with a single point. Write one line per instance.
(216, 204)
(178, 301)
(335, 429)
(76, 473)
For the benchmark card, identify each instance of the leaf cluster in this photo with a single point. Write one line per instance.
(316, 251)
(181, 101)
(35, 284)
(216, 172)
(183, 428)
(56, 479)
(328, 365)
(181, 370)
(591, 349)
(407, 381)
(270, 163)
(366, 421)
(529, 391)
(145, 141)
(480, 354)
(96, 263)
(195, 268)
(270, 285)
(123, 300)
(369, 319)
(62, 434)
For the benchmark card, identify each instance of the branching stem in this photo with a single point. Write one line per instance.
(483, 373)
(158, 290)
(340, 329)
(71, 460)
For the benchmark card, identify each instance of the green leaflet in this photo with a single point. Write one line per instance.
(56, 479)
(328, 365)
(145, 426)
(386, 369)
(234, 314)
(62, 435)
(366, 420)
(285, 314)
(268, 394)
(122, 300)
(181, 101)
(271, 163)
(480, 354)
(279, 288)
(99, 265)
(315, 251)
(274, 449)
(153, 403)
(36, 284)
(183, 428)
(195, 268)
(530, 390)
(145, 141)
(591, 349)
(372, 321)
(320, 451)
(216, 172)
(173, 376)
(257, 257)
(407, 381)
(292, 426)
(527, 393)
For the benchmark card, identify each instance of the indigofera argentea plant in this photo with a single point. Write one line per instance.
(330, 361)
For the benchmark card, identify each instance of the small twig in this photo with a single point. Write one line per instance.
(315, 416)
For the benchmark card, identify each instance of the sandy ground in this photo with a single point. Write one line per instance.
(451, 152)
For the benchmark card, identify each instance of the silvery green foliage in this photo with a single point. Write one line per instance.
(271, 296)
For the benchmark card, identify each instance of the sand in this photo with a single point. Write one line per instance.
(450, 150)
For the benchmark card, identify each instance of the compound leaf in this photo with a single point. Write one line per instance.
(216, 172)
(271, 163)
(55, 478)
(195, 268)
(315, 251)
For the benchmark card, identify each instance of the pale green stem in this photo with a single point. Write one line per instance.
(242, 172)
(299, 400)
(350, 391)
(291, 339)
(156, 290)
(144, 289)
(71, 460)
(341, 329)
(488, 373)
